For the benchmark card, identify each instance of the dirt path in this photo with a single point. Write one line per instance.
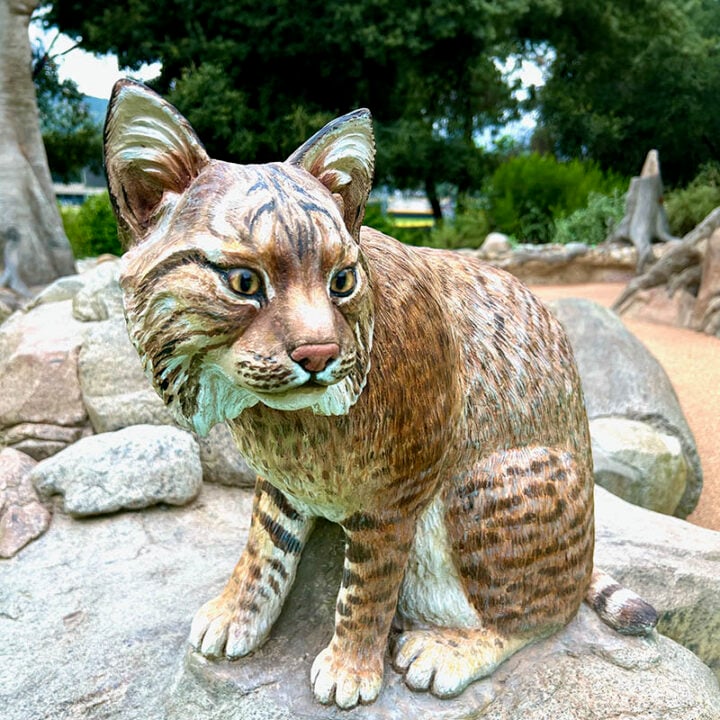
(692, 362)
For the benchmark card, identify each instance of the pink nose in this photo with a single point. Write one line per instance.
(315, 358)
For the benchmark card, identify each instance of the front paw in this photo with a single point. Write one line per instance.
(338, 678)
(222, 628)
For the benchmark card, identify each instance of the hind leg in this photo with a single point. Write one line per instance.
(501, 559)
(521, 529)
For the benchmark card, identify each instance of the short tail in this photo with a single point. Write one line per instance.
(619, 607)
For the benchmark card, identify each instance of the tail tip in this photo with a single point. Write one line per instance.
(622, 609)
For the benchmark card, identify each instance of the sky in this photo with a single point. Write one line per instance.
(94, 75)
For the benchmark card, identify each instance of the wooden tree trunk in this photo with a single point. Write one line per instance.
(34, 247)
(645, 218)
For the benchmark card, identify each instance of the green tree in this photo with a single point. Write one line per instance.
(628, 76)
(255, 78)
(72, 137)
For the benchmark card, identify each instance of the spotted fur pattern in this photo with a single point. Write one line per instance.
(445, 430)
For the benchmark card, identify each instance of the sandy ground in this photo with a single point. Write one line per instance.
(692, 362)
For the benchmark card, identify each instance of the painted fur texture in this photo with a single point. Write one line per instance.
(423, 400)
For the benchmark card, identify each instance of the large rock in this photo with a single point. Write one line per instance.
(567, 675)
(564, 264)
(496, 243)
(132, 468)
(114, 388)
(626, 453)
(100, 296)
(622, 379)
(672, 564)
(100, 610)
(94, 615)
(41, 407)
(221, 461)
(64, 288)
(22, 516)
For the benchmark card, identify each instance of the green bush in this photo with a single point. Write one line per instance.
(467, 230)
(592, 223)
(529, 193)
(686, 207)
(91, 228)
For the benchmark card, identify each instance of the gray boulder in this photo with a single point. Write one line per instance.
(622, 379)
(64, 288)
(22, 516)
(114, 388)
(132, 468)
(41, 407)
(673, 564)
(627, 453)
(100, 610)
(100, 296)
(496, 243)
(221, 460)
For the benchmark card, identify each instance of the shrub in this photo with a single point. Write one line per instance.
(467, 230)
(688, 206)
(91, 228)
(528, 193)
(592, 223)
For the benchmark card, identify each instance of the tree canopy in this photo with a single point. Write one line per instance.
(72, 137)
(255, 79)
(632, 75)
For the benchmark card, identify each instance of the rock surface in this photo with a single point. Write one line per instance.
(621, 378)
(568, 673)
(133, 468)
(496, 243)
(638, 463)
(114, 388)
(221, 460)
(41, 407)
(100, 296)
(22, 516)
(100, 610)
(64, 288)
(672, 564)
(564, 264)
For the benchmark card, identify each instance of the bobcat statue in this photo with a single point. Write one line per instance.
(423, 400)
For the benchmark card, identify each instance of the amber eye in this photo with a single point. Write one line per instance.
(343, 282)
(244, 281)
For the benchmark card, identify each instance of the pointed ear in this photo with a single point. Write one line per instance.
(342, 157)
(151, 156)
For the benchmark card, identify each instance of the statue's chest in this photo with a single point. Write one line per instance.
(315, 460)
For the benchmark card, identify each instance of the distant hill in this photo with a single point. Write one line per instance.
(97, 107)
